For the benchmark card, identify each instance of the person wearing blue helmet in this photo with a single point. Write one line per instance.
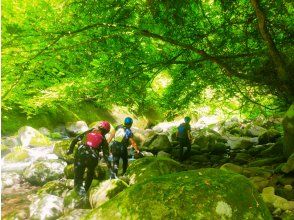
(184, 137)
(123, 137)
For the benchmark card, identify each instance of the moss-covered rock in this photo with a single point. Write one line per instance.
(56, 187)
(242, 158)
(105, 191)
(208, 138)
(247, 171)
(55, 135)
(232, 167)
(275, 149)
(74, 128)
(289, 166)
(163, 154)
(200, 194)
(4, 150)
(72, 200)
(268, 195)
(17, 154)
(286, 180)
(9, 179)
(259, 182)
(286, 192)
(17, 215)
(270, 136)
(159, 142)
(266, 161)
(42, 172)
(11, 141)
(60, 149)
(241, 142)
(76, 214)
(148, 167)
(288, 125)
(254, 130)
(32, 137)
(46, 206)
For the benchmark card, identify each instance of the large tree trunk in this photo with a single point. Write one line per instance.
(273, 51)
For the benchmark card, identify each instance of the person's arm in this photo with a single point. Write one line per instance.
(134, 144)
(189, 133)
(105, 150)
(76, 140)
(111, 136)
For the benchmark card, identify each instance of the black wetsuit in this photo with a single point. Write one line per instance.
(184, 140)
(120, 149)
(87, 157)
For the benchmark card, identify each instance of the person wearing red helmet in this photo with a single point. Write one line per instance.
(87, 154)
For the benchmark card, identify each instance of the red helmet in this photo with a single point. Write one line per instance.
(105, 126)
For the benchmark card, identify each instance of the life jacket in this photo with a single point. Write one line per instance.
(120, 135)
(94, 139)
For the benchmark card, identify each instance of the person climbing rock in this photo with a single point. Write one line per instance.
(184, 137)
(123, 137)
(87, 155)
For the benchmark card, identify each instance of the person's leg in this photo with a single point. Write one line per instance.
(79, 169)
(116, 153)
(181, 151)
(188, 146)
(90, 172)
(115, 163)
(125, 159)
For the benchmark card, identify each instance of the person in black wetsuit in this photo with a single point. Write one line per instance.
(184, 137)
(123, 137)
(87, 155)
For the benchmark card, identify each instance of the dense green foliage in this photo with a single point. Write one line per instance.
(58, 54)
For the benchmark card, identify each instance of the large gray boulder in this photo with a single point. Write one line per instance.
(159, 142)
(56, 187)
(9, 179)
(105, 191)
(74, 128)
(254, 130)
(241, 142)
(208, 138)
(12, 141)
(45, 207)
(29, 136)
(72, 200)
(288, 125)
(61, 148)
(270, 136)
(17, 154)
(41, 172)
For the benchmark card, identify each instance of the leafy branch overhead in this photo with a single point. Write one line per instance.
(111, 52)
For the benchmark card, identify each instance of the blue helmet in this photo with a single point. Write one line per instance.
(128, 121)
(187, 119)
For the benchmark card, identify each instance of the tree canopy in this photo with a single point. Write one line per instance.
(63, 52)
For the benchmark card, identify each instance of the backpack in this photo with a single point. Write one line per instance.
(94, 139)
(120, 135)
